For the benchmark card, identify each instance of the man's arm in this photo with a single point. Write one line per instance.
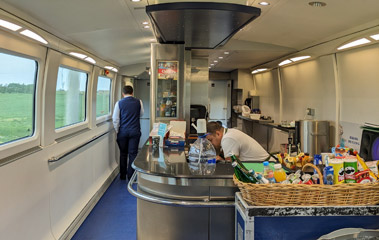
(116, 117)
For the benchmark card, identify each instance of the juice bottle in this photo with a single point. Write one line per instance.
(279, 173)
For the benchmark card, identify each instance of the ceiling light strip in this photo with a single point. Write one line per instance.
(78, 55)
(9, 25)
(376, 36)
(354, 43)
(91, 60)
(287, 61)
(259, 70)
(34, 36)
(295, 59)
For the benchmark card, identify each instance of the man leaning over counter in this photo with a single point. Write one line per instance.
(233, 141)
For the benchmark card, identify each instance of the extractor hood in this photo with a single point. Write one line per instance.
(199, 25)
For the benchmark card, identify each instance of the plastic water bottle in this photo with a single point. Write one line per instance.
(267, 172)
(202, 157)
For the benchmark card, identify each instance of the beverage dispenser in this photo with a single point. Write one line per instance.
(314, 136)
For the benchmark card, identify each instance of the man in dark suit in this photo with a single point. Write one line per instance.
(126, 122)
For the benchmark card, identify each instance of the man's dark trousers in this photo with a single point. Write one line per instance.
(128, 143)
(129, 134)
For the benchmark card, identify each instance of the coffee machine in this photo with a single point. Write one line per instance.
(252, 102)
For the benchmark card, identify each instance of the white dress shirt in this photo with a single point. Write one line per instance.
(245, 147)
(116, 114)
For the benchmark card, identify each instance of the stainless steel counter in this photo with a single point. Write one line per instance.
(176, 201)
(172, 162)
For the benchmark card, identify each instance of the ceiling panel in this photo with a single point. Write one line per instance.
(106, 28)
(295, 24)
(112, 29)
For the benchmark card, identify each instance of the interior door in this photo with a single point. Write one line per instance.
(219, 101)
(142, 91)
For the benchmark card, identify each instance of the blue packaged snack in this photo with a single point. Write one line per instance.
(317, 161)
(328, 175)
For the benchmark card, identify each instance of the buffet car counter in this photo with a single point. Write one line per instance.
(176, 200)
(301, 222)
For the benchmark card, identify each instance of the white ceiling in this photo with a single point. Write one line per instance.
(112, 29)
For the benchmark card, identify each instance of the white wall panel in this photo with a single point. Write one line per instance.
(359, 74)
(24, 201)
(309, 84)
(105, 160)
(245, 82)
(70, 189)
(35, 192)
(76, 178)
(267, 85)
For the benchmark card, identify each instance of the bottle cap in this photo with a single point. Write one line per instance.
(278, 166)
(265, 163)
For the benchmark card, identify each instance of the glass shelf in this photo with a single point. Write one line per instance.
(167, 86)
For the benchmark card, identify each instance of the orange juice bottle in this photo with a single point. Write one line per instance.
(279, 173)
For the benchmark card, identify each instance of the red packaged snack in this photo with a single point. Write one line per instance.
(307, 179)
(309, 182)
(363, 176)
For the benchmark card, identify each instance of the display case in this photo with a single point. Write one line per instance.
(167, 89)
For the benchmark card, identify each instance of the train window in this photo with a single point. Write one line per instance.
(103, 96)
(70, 98)
(17, 97)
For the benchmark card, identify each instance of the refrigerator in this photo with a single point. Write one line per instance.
(220, 101)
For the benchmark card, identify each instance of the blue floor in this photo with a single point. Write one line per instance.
(113, 217)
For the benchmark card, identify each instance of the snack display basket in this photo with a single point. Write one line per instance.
(277, 194)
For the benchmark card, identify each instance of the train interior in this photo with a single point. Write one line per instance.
(63, 64)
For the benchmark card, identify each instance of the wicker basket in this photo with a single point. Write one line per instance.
(309, 195)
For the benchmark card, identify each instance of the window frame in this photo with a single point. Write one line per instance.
(54, 60)
(16, 46)
(112, 76)
(77, 65)
(108, 116)
(87, 90)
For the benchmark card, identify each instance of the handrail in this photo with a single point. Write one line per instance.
(59, 157)
(172, 202)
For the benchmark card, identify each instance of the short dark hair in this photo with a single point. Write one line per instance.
(212, 127)
(127, 89)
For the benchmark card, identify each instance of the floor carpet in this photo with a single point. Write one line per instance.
(113, 217)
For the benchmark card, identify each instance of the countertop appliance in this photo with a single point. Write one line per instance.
(252, 102)
(314, 136)
(197, 112)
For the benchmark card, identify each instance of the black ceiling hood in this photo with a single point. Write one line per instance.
(200, 25)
